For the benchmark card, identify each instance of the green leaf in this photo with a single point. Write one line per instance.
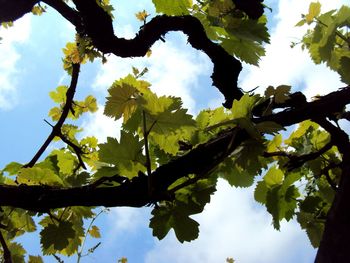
(310, 204)
(35, 259)
(59, 95)
(273, 177)
(106, 171)
(260, 192)
(314, 11)
(164, 114)
(56, 236)
(169, 142)
(242, 108)
(21, 220)
(248, 157)
(12, 168)
(94, 231)
(269, 127)
(90, 103)
(126, 154)
(235, 174)
(160, 222)
(165, 218)
(38, 10)
(66, 161)
(345, 69)
(17, 252)
(248, 51)
(314, 227)
(55, 113)
(173, 7)
(274, 144)
(280, 94)
(186, 229)
(249, 127)
(121, 101)
(37, 175)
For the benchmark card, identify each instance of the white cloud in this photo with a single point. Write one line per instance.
(101, 126)
(233, 225)
(127, 219)
(292, 66)
(9, 56)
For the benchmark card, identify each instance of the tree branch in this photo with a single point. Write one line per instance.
(56, 130)
(6, 250)
(134, 193)
(94, 18)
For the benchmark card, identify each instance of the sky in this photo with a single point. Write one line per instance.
(233, 224)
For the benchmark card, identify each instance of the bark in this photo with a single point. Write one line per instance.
(135, 193)
(335, 243)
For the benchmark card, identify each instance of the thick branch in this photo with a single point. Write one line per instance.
(11, 10)
(92, 20)
(134, 193)
(323, 107)
(98, 26)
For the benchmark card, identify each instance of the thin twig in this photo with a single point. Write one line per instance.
(86, 233)
(296, 161)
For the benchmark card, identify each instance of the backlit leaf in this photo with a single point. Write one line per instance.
(173, 7)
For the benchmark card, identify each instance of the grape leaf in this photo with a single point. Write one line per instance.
(37, 175)
(17, 252)
(314, 11)
(242, 108)
(269, 127)
(94, 231)
(274, 144)
(260, 192)
(142, 15)
(314, 228)
(56, 236)
(173, 7)
(235, 174)
(12, 168)
(66, 161)
(165, 218)
(35, 259)
(126, 154)
(249, 51)
(59, 95)
(273, 177)
(121, 101)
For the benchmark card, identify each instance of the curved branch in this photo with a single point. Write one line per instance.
(92, 20)
(98, 26)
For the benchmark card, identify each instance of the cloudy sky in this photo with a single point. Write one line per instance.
(232, 225)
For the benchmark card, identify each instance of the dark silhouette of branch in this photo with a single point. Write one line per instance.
(334, 246)
(56, 129)
(11, 10)
(199, 160)
(296, 161)
(6, 251)
(91, 20)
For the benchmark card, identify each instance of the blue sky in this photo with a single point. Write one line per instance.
(233, 224)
